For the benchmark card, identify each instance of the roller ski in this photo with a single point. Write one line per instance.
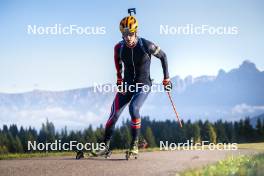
(133, 151)
(106, 152)
(79, 155)
(103, 153)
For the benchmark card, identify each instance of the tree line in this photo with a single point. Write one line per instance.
(14, 139)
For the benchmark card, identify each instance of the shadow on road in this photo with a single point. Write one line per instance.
(108, 159)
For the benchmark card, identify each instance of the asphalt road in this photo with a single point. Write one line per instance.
(148, 163)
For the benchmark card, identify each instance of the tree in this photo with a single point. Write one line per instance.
(241, 131)
(211, 133)
(249, 131)
(259, 130)
(262, 130)
(3, 150)
(13, 130)
(196, 133)
(89, 135)
(221, 132)
(99, 134)
(117, 140)
(22, 137)
(125, 136)
(204, 131)
(188, 129)
(18, 145)
(3, 143)
(11, 143)
(150, 138)
(64, 135)
(47, 132)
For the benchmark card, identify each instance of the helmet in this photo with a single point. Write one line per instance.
(128, 24)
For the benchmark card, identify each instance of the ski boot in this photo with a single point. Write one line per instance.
(105, 152)
(79, 155)
(133, 151)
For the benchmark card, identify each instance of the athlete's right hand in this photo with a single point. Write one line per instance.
(120, 87)
(119, 81)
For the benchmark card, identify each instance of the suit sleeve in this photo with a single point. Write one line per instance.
(118, 62)
(157, 52)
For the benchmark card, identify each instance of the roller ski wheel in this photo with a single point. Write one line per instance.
(104, 153)
(131, 155)
(79, 155)
(108, 154)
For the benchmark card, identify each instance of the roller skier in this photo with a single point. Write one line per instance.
(132, 58)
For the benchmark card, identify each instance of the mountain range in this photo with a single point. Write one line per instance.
(228, 95)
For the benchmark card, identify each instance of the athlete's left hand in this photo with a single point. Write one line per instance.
(167, 85)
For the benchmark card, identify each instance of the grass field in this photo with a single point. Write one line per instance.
(255, 146)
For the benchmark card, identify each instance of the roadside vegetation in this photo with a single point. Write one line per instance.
(237, 166)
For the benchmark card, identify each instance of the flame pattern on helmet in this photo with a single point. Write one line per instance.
(128, 24)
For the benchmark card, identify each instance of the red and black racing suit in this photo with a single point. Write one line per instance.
(136, 62)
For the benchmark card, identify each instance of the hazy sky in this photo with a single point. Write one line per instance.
(60, 62)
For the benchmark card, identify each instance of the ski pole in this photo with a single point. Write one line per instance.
(174, 108)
